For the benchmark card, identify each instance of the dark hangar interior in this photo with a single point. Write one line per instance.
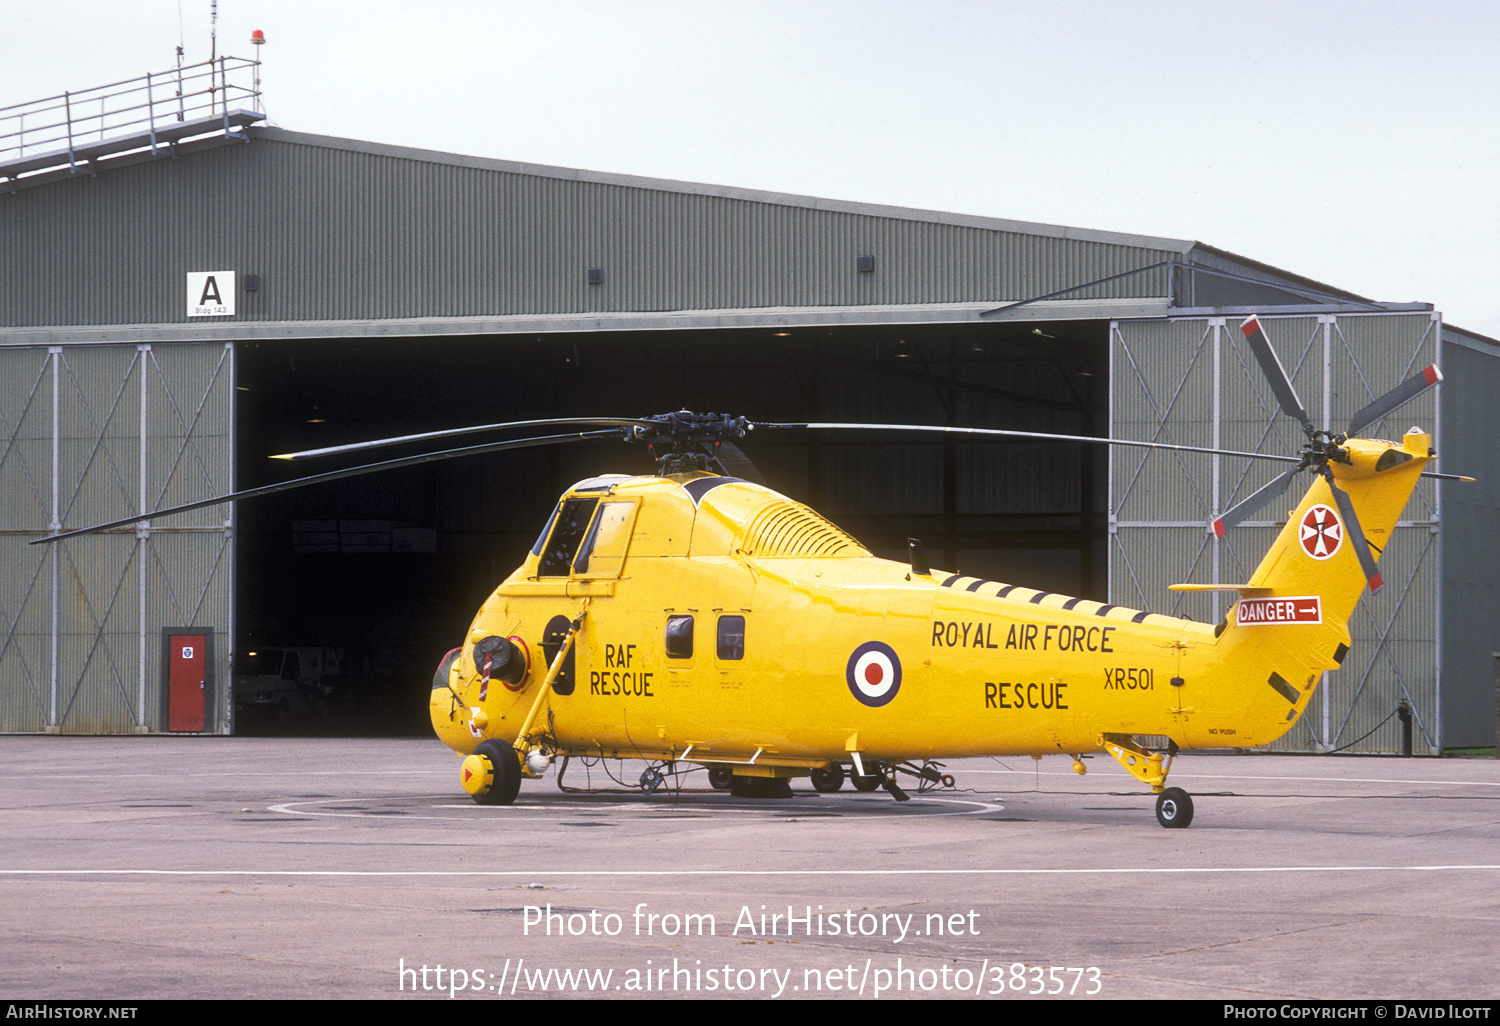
(392, 566)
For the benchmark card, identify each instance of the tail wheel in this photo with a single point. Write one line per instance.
(498, 780)
(827, 781)
(1174, 808)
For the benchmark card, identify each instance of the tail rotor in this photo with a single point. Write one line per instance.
(1321, 448)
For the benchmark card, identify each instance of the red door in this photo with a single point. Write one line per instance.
(186, 663)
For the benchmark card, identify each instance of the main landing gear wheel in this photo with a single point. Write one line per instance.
(869, 782)
(720, 778)
(1174, 808)
(501, 767)
(827, 781)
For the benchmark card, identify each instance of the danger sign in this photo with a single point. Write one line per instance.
(1296, 609)
(210, 293)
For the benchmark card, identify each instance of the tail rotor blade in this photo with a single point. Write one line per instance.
(1270, 365)
(1261, 496)
(1394, 399)
(1356, 535)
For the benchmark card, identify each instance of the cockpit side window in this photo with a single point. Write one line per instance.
(603, 551)
(541, 539)
(572, 520)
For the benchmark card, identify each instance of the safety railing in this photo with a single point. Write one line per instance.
(138, 113)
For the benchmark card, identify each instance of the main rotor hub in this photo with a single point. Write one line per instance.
(684, 441)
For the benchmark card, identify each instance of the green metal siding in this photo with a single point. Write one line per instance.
(1471, 511)
(80, 620)
(339, 233)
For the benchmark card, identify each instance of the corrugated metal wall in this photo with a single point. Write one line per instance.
(339, 232)
(88, 435)
(1193, 381)
(1470, 593)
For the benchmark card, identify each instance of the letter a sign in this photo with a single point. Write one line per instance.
(210, 293)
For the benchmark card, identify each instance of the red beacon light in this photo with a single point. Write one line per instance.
(257, 37)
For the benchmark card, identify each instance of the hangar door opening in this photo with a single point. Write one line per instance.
(1194, 381)
(383, 573)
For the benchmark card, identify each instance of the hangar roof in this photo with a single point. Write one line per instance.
(330, 237)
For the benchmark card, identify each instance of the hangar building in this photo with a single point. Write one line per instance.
(174, 313)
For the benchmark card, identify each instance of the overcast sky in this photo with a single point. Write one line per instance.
(1355, 143)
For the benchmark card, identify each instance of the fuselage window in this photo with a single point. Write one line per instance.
(680, 637)
(731, 637)
(572, 521)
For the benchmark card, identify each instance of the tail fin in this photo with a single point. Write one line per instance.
(1317, 551)
(1291, 621)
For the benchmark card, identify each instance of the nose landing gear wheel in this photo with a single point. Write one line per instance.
(504, 774)
(1174, 808)
(867, 783)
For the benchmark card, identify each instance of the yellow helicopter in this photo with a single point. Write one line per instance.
(693, 618)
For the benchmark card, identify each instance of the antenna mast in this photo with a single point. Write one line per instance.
(181, 42)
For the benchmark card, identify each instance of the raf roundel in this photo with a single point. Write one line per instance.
(874, 673)
(1321, 533)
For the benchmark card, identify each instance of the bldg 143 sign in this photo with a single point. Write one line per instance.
(210, 293)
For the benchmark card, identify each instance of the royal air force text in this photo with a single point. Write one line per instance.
(1022, 637)
(1032, 637)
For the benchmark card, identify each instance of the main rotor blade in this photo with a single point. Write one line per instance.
(1270, 365)
(335, 475)
(1045, 437)
(1356, 534)
(1240, 513)
(1394, 399)
(736, 464)
(450, 432)
(1034, 436)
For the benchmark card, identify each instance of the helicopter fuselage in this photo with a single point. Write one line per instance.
(708, 619)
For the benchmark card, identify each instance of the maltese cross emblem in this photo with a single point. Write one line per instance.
(1321, 533)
